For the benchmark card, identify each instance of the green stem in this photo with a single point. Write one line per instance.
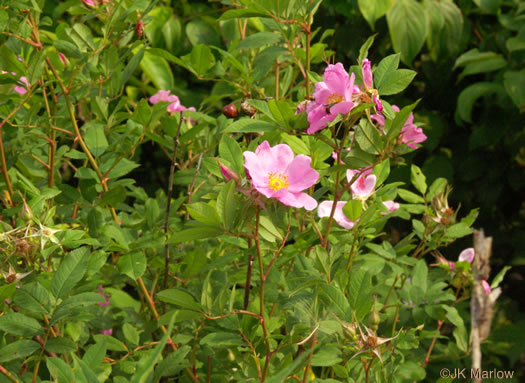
(261, 297)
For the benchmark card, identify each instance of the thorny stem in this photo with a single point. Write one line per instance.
(261, 298)
(168, 205)
(248, 281)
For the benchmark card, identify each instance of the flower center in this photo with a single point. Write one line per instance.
(334, 99)
(278, 181)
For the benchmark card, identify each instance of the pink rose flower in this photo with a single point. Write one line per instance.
(275, 173)
(391, 206)
(25, 84)
(332, 96)
(325, 208)
(364, 185)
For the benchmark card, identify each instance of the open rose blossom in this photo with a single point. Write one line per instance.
(325, 208)
(275, 173)
(332, 96)
(364, 185)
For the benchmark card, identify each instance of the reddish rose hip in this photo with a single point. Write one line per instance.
(230, 111)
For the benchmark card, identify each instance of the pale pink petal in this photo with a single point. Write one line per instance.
(364, 186)
(325, 209)
(467, 255)
(396, 108)
(341, 107)
(255, 169)
(161, 95)
(486, 286)
(89, 3)
(22, 89)
(321, 93)
(300, 175)
(297, 200)
(411, 135)
(336, 78)
(379, 119)
(280, 159)
(367, 73)
(391, 206)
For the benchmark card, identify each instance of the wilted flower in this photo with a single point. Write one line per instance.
(364, 185)
(332, 96)
(275, 173)
(325, 208)
(12, 276)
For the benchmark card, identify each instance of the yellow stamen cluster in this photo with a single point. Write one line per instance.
(334, 99)
(278, 181)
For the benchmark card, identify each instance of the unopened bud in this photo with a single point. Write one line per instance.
(374, 319)
(228, 173)
(230, 111)
(139, 29)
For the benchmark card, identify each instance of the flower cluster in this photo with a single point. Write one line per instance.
(410, 134)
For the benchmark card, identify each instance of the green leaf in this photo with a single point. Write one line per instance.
(95, 138)
(36, 66)
(327, 356)
(259, 40)
(400, 120)
(470, 94)
(368, 138)
(513, 82)
(158, 71)
(241, 13)
(60, 345)
(60, 370)
(32, 297)
(179, 298)
(374, 10)
(222, 339)
(460, 333)
(418, 179)
(420, 276)
(363, 51)
(133, 265)
(457, 231)
(353, 209)
(4, 17)
(95, 354)
(19, 324)
(173, 363)
(479, 62)
(382, 171)
(410, 371)
(227, 205)
(201, 232)
(248, 125)
(70, 272)
(337, 301)
(202, 59)
(361, 293)
(388, 65)
(230, 151)
(499, 277)
(203, 212)
(18, 349)
(395, 81)
(131, 66)
(282, 112)
(444, 37)
(200, 32)
(407, 24)
(131, 334)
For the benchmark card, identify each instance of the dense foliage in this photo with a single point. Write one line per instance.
(230, 191)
